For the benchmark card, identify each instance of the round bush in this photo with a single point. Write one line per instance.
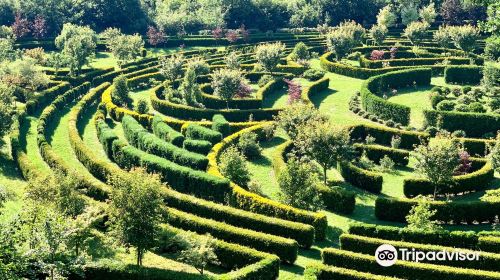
(446, 105)
(458, 134)
(314, 74)
(477, 107)
(462, 108)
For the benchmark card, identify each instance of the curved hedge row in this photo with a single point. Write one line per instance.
(474, 124)
(249, 201)
(214, 102)
(198, 132)
(418, 61)
(368, 245)
(94, 187)
(46, 97)
(315, 88)
(463, 74)
(165, 132)
(361, 178)
(404, 269)
(327, 272)
(374, 86)
(377, 152)
(474, 181)
(140, 138)
(461, 239)
(396, 210)
(302, 233)
(383, 135)
(286, 249)
(335, 198)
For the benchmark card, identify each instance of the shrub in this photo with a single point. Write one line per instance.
(492, 48)
(324, 272)
(474, 124)
(249, 145)
(463, 74)
(416, 31)
(120, 93)
(198, 132)
(313, 74)
(477, 107)
(142, 107)
(361, 178)
(233, 166)
(197, 146)
(446, 105)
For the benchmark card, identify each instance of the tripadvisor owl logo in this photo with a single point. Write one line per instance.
(386, 255)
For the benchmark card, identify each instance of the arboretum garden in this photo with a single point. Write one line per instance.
(234, 153)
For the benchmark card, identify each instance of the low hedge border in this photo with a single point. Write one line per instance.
(94, 188)
(477, 180)
(249, 201)
(368, 246)
(302, 233)
(198, 132)
(286, 249)
(396, 210)
(384, 109)
(315, 88)
(214, 102)
(474, 124)
(197, 146)
(383, 135)
(335, 198)
(361, 178)
(140, 138)
(420, 61)
(377, 152)
(403, 269)
(327, 272)
(463, 74)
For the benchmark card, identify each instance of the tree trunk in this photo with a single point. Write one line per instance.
(324, 173)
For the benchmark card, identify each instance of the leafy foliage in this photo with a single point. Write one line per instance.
(232, 164)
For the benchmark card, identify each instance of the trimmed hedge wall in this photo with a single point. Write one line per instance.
(249, 201)
(463, 74)
(386, 110)
(368, 246)
(383, 135)
(198, 132)
(403, 269)
(474, 124)
(395, 210)
(221, 125)
(140, 138)
(324, 272)
(44, 98)
(315, 88)
(377, 152)
(197, 146)
(165, 132)
(361, 178)
(286, 249)
(214, 102)
(302, 233)
(377, 64)
(474, 181)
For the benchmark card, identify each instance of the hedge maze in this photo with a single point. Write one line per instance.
(257, 235)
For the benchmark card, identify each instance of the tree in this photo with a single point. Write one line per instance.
(233, 166)
(293, 117)
(21, 26)
(416, 31)
(120, 91)
(465, 37)
(200, 251)
(443, 37)
(344, 37)
(409, 14)
(171, 67)
(378, 34)
(298, 182)
(428, 13)
(492, 23)
(268, 55)
(491, 77)
(452, 11)
(135, 210)
(155, 36)
(232, 61)
(386, 17)
(190, 89)
(126, 48)
(420, 217)
(7, 110)
(142, 106)
(24, 75)
(39, 28)
(492, 48)
(300, 52)
(69, 201)
(437, 161)
(249, 145)
(199, 65)
(78, 44)
(226, 83)
(325, 143)
(294, 91)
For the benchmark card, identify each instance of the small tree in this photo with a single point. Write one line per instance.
(293, 117)
(268, 55)
(300, 52)
(232, 61)
(324, 143)
(340, 41)
(126, 47)
(233, 165)
(298, 182)
(155, 36)
(171, 67)
(200, 252)
(452, 11)
(232, 36)
(409, 14)
(21, 26)
(135, 210)
(39, 28)
(416, 31)
(69, 201)
(199, 65)
(78, 44)
(190, 89)
(437, 161)
(142, 106)
(465, 37)
(378, 34)
(7, 110)
(120, 92)
(420, 217)
(226, 83)
(428, 13)
(443, 37)
(386, 17)
(294, 91)
(249, 145)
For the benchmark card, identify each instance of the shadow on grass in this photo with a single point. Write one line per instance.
(319, 97)
(8, 168)
(272, 99)
(86, 118)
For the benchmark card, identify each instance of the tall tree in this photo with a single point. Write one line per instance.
(78, 44)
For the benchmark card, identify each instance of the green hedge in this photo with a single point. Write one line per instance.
(477, 180)
(463, 74)
(285, 249)
(391, 209)
(474, 124)
(324, 272)
(197, 146)
(489, 243)
(165, 132)
(368, 245)
(44, 98)
(383, 135)
(140, 138)
(377, 152)
(403, 269)
(375, 86)
(214, 102)
(315, 88)
(361, 178)
(426, 61)
(221, 125)
(302, 233)
(198, 132)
